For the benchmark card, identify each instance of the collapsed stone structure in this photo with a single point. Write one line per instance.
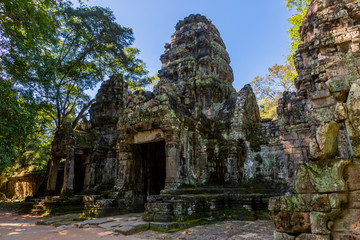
(324, 203)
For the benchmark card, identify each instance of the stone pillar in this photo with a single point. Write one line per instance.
(69, 173)
(232, 166)
(172, 171)
(125, 156)
(52, 177)
(122, 171)
(87, 178)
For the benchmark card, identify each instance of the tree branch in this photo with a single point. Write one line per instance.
(80, 115)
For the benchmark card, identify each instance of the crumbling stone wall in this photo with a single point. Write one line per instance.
(97, 138)
(21, 185)
(102, 167)
(264, 155)
(295, 132)
(324, 200)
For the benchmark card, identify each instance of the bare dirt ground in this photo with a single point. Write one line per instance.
(17, 226)
(22, 227)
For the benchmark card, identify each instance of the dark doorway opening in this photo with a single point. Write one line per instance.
(79, 173)
(153, 161)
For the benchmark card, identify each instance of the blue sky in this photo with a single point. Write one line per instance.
(254, 32)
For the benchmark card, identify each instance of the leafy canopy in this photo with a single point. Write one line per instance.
(269, 89)
(51, 54)
(89, 46)
(24, 24)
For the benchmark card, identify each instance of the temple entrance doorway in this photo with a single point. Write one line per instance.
(148, 169)
(154, 167)
(79, 173)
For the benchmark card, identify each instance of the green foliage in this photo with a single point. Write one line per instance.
(20, 127)
(91, 46)
(300, 7)
(27, 22)
(12, 130)
(135, 73)
(24, 25)
(155, 79)
(51, 54)
(269, 89)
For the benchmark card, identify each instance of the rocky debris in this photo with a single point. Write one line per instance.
(59, 220)
(57, 205)
(254, 230)
(186, 207)
(101, 206)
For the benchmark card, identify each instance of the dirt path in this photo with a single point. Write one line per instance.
(19, 227)
(22, 227)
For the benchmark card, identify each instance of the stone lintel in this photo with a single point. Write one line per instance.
(155, 135)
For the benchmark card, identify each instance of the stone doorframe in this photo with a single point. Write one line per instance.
(171, 151)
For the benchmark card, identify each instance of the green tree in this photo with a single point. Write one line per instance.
(77, 51)
(91, 46)
(135, 74)
(300, 8)
(23, 25)
(269, 89)
(155, 79)
(13, 130)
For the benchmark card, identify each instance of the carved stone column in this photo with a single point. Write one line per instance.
(172, 166)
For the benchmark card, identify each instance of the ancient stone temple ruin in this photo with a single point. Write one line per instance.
(192, 150)
(189, 150)
(195, 150)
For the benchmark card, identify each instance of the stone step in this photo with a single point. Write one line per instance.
(58, 205)
(37, 211)
(91, 198)
(133, 228)
(38, 206)
(46, 201)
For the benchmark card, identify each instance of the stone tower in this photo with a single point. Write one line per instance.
(195, 67)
